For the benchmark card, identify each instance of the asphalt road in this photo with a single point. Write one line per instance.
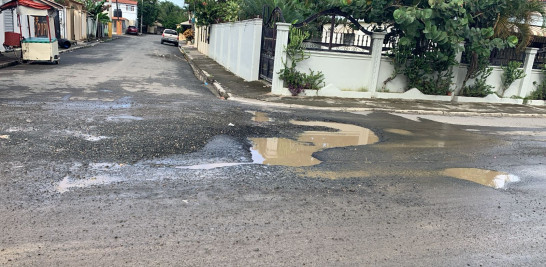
(107, 159)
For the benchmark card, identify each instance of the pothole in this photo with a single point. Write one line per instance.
(399, 132)
(260, 116)
(298, 153)
(489, 178)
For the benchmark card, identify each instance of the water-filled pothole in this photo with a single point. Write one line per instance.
(259, 116)
(288, 152)
(489, 178)
(399, 131)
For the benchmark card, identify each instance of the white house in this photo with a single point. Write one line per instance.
(7, 23)
(128, 16)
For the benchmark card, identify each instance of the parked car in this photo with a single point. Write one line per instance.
(131, 30)
(169, 36)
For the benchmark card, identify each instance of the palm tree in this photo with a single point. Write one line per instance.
(516, 18)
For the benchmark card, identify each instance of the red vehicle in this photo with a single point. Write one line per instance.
(131, 30)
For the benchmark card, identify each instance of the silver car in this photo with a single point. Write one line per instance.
(169, 36)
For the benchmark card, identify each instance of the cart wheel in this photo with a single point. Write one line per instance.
(57, 62)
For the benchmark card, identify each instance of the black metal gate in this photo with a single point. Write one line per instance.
(269, 38)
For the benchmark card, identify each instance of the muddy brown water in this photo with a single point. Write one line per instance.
(298, 153)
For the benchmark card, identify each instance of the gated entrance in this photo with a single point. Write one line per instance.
(269, 38)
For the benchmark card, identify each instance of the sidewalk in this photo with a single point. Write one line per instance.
(8, 59)
(230, 86)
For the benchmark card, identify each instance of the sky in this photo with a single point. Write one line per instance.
(179, 3)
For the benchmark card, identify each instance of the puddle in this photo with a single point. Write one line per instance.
(489, 178)
(67, 182)
(259, 116)
(399, 131)
(288, 152)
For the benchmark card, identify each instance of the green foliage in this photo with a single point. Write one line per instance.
(94, 7)
(295, 80)
(149, 10)
(480, 88)
(510, 74)
(515, 17)
(169, 14)
(211, 11)
(539, 93)
(429, 72)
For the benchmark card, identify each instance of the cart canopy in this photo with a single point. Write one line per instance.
(27, 3)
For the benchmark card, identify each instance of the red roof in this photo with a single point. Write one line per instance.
(130, 2)
(28, 3)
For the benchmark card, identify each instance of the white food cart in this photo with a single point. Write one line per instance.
(40, 45)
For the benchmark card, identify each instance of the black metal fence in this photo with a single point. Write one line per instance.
(334, 30)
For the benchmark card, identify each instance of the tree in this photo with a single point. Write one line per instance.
(150, 11)
(170, 14)
(211, 11)
(95, 11)
(515, 18)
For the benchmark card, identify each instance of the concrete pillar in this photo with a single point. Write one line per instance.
(526, 85)
(280, 57)
(377, 48)
(455, 69)
(458, 58)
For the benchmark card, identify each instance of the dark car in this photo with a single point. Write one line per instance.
(131, 30)
(169, 36)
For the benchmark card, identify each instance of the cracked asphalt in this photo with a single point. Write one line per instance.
(96, 159)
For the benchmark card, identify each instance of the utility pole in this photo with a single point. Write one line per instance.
(141, 16)
(117, 11)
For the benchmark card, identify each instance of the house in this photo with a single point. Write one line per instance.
(8, 23)
(76, 21)
(123, 14)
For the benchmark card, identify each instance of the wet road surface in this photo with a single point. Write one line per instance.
(119, 156)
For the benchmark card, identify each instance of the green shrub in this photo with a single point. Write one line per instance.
(511, 73)
(539, 93)
(480, 88)
(297, 81)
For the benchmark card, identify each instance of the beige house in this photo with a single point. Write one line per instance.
(76, 21)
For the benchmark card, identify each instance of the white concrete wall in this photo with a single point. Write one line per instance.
(350, 72)
(200, 40)
(347, 72)
(2, 30)
(495, 80)
(236, 46)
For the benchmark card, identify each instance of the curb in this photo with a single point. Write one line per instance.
(207, 78)
(204, 76)
(9, 64)
(386, 110)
